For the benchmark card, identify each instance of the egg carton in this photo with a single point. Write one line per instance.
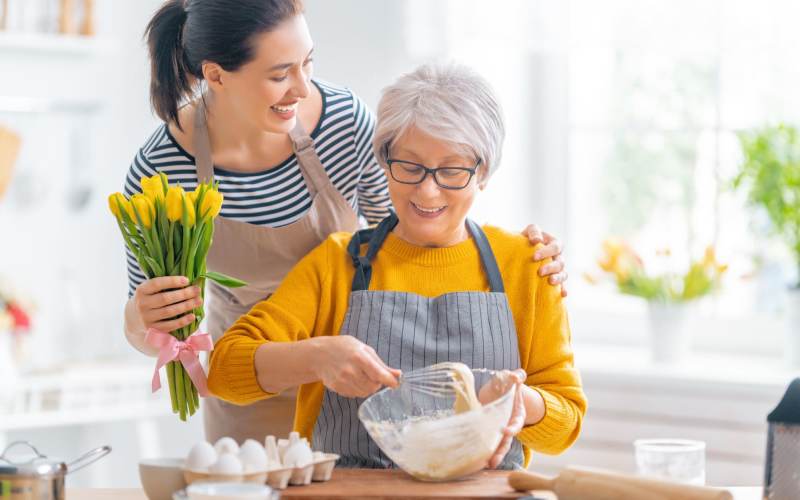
(320, 469)
(285, 462)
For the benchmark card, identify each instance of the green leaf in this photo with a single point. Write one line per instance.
(224, 279)
(154, 265)
(770, 175)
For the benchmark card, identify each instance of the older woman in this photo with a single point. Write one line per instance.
(425, 285)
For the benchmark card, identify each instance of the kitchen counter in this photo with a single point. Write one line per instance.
(363, 483)
(383, 485)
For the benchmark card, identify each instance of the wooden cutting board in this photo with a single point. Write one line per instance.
(395, 485)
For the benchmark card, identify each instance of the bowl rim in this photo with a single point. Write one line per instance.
(162, 462)
(222, 485)
(502, 398)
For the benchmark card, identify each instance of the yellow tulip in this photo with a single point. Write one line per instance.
(114, 202)
(144, 208)
(153, 188)
(710, 257)
(188, 205)
(590, 278)
(175, 203)
(619, 259)
(212, 203)
(118, 199)
(613, 249)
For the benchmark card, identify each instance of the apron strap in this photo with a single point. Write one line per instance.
(377, 235)
(202, 144)
(307, 159)
(487, 257)
(363, 264)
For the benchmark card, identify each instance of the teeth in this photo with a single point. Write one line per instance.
(428, 210)
(282, 109)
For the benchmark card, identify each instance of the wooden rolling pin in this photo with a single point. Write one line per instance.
(586, 484)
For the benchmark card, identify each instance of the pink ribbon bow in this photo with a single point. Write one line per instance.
(170, 348)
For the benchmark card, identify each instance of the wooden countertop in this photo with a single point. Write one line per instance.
(365, 484)
(381, 485)
(394, 484)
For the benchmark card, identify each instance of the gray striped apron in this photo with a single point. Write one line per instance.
(409, 331)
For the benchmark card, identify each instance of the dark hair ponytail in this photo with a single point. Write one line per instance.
(184, 33)
(169, 71)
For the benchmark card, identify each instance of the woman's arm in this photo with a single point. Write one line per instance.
(164, 303)
(373, 192)
(343, 364)
(552, 247)
(548, 362)
(291, 339)
(239, 364)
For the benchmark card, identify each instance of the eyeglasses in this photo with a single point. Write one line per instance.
(407, 172)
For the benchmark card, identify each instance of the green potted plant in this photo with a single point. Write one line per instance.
(669, 294)
(770, 174)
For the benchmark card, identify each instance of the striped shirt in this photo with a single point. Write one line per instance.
(279, 196)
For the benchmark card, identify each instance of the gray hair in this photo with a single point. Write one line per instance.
(450, 102)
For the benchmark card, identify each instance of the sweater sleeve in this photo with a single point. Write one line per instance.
(551, 372)
(292, 313)
(373, 190)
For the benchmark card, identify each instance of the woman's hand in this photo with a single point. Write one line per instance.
(493, 390)
(166, 303)
(556, 270)
(351, 368)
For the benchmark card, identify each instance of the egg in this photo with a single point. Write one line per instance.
(226, 445)
(253, 456)
(201, 456)
(271, 446)
(227, 464)
(298, 453)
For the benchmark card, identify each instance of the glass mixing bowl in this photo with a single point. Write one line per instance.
(423, 435)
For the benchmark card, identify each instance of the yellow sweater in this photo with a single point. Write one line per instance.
(313, 298)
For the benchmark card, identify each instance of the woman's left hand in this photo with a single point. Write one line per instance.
(556, 270)
(515, 423)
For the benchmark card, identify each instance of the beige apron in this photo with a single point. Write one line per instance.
(262, 256)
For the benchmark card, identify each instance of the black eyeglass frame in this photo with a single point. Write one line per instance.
(432, 172)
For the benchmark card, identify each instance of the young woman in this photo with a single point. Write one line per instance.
(292, 156)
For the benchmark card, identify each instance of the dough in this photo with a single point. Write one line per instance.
(463, 384)
(449, 443)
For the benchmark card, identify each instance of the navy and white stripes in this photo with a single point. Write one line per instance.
(278, 196)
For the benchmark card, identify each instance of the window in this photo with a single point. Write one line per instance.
(657, 93)
(622, 119)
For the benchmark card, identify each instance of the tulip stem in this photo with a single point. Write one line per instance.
(180, 391)
(172, 390)
(188, 385)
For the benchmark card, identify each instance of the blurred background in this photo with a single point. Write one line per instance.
(653, 138)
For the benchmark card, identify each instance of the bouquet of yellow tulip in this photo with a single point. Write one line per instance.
(170, 231)
(628, 271)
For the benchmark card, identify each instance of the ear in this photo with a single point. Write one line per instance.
(212, 73)
(483, 176)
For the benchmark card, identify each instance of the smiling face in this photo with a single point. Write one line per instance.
(266, 91)
(430, 215)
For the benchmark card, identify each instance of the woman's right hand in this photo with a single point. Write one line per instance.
(353, 369)
(165, 303)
